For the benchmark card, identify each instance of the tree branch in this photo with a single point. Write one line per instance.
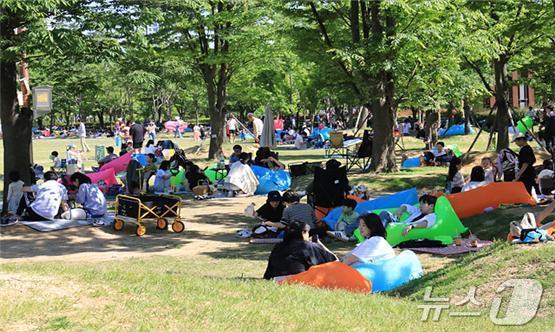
(479, 72)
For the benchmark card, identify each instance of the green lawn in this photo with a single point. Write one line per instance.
(225, 292)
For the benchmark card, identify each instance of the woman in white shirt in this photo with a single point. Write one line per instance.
(477, 177)
(455, 180)
(375, 247)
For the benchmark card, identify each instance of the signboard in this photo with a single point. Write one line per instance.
(42, 100)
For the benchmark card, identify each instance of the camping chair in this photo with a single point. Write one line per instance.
(336, 145)
(330, 187)
(362, 157)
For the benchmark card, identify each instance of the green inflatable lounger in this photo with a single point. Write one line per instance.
(447, 226)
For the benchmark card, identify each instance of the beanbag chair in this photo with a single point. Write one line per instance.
(171, 125)
(141, 158)
(474, 202)
(389, 274)
(446, 227)
(456, 151)
(210, 173)
(411, 162)
(325, 132)
(108, 176)
(177, 180)
(321, 211)
(332, 275)
(271, 180)
(409, 196)
(119, 164)
(453, 131)
(523, 123)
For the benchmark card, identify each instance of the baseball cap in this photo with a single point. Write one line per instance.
(518, 136)
(274, 196)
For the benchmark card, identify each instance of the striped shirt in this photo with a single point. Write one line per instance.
(299, 212)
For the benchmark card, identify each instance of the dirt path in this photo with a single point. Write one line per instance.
(210, 230)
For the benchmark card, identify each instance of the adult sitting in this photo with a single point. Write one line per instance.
(296, 253)
(109, 157)
(241, 177)
(300, 141)
(236, 155)
(439, 155)
(375, 247)
(268, 159)
(89, 196)
(73, 156)
(195, 176)
(477, 179)
(50, 197)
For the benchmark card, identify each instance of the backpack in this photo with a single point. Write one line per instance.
(527, 231)
(264, 232)
(507, 163)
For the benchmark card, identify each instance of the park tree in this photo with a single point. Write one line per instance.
(498, 33)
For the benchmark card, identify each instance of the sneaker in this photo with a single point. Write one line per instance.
(338, 235)
(8, 221)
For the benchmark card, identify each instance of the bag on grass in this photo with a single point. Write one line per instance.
(527, 231)
(264, 232)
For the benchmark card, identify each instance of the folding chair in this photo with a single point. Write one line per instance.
(363, 155)
(336, 145)
(330, 187)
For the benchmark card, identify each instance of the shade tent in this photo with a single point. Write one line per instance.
(268, 137)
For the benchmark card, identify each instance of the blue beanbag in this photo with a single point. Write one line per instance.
(141, 158)
(409, 196)
(325, 132)
(271, 180)
(388, 274)
(411, 163)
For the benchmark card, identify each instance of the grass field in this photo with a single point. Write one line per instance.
(205, 279)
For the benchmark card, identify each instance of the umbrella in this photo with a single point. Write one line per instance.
(268, 137)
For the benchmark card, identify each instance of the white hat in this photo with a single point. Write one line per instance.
(518, 136)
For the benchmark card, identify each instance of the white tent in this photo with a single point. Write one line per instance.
(268, 137)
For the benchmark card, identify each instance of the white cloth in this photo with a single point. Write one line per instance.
(232, 124)
(458, 180)
(92, 199)
(14, 195)
(162, 181)
(373, 249)
(82, 131)
(299, 142)
(415, 213)
(150, 149)
(258, 126)
(242, 176)
(48, 198)
(473, 185)
(489, 175)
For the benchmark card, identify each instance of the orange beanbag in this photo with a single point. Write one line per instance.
(473, 202)
(321, 212)
(333, 275)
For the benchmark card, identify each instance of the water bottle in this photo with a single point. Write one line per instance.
(221, 164)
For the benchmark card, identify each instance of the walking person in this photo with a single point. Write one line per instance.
(151, 128)
(178, 124)
(526, 159)
(257, 126)
(82, 132)
(137, 132)
(232, 127)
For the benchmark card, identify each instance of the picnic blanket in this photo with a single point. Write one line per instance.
(452, 250)
(59, 224)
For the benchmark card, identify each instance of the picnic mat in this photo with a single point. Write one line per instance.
(265, 241)
(59, 224)
(453, 249)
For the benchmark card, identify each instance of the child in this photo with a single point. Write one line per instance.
(162, 179)
(490, 172)
(477, 178)
(149, 170)
(455, 180)
(236, 155)
(347, 222)
(56, 162)
(14, 192)
(423, 217)
(361, 192)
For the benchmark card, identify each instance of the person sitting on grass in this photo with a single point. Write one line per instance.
(455, 180)
(109, 157)
(375, 247)
(296, 211)
(268, 159)
(300, 141)
(50, 198)
(272, 210)
(438, 156)
(162, 182)
(347, 222)
(419, 217)
(236, 155)
(56, 162)
(527, 230)
(296, 253)
(477, 178)
(15, 192)
(89, 196)
(241, 178)
(195, 176)
(149, 170)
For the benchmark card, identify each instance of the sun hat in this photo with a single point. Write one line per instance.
(518, 136)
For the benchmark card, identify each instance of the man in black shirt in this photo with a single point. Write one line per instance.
(137, 132)
(273, 209)
(526, 159)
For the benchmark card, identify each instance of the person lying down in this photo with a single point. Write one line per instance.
(527, 231)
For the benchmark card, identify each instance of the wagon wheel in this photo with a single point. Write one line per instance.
(178, 226)
(118, 224)
(141, 230)
(161, 223)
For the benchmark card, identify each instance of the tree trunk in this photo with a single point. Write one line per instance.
(355, 30)
(450, 115)
(467, 109)
(501, 99)
(431, 124)
(414, 113)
